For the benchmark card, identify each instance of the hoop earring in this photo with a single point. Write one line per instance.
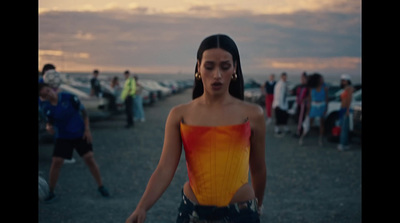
(197, 76)
(234, 77)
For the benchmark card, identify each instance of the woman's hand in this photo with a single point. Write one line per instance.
(138, 216)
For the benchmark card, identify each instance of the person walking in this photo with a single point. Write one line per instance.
(138, 102)
(344, 112)
(127, 95)
(301, 102)
(268, 91)
(223, 137)
(95, 86)
(318, 105)
(280, 106)
(67, 119)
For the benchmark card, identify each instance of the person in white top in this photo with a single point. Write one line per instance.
(280, 105)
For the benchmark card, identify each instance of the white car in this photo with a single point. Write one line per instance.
(162, 91)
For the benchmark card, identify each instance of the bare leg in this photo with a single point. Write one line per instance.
(55, 168)
(94, 169)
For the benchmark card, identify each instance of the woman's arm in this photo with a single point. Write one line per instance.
(165, 171)
(258, 167)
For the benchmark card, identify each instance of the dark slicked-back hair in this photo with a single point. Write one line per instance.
(226, 43)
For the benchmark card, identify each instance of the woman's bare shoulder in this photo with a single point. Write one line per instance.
(178, 111)
(252, 108)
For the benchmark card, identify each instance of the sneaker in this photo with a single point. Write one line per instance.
(342, 147)
(70, 160)
(103, 191)
(50, 198)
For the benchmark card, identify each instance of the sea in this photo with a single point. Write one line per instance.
(333, 79)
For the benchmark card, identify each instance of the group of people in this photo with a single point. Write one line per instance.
(312, 102)
(129, 94)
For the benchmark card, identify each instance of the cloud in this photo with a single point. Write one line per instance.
(167, 42)
(338, 64)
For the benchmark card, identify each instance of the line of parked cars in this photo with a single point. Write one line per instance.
(99, 108)
(253, 93)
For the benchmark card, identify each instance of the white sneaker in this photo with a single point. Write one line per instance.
(342, 147)
(70, 160)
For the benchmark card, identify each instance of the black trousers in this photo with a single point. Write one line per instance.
(129, 110)
(281, 116)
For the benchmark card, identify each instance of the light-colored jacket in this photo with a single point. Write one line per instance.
(280, 95)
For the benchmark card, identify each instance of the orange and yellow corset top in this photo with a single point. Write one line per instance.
(217, 159)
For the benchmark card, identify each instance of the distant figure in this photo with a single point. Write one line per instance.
(117, 89)
(318, 105)
(345, 98)
(268, 90)
(301, 101)
(68, 120)
(95, 87)
(138, 102)
(280, 105)
(127, 95)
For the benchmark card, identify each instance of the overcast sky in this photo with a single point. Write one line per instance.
(155, 36)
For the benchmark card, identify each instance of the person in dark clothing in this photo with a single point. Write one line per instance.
(95, 85)
(96, 90)
(128, 96)
(301, 101)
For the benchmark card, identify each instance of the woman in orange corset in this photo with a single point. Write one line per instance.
(223, 137)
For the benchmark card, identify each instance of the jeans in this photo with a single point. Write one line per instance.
(138, 107)
(241, 212)
(344, 129)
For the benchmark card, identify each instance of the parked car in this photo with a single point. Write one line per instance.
(173, 85)
(252, 92)
(162, 91)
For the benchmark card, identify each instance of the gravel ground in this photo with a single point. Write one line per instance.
(304, 184)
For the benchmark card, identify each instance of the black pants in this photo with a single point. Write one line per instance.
(281, 116)
(129, 110)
